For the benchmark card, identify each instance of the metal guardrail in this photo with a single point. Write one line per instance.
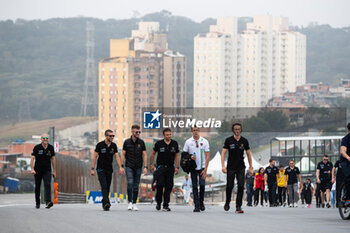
(71, 198)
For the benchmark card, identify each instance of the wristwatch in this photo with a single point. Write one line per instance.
(92, 168)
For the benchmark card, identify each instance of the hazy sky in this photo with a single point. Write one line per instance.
(300, 12)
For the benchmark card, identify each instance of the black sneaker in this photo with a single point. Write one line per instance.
(227, 206)
(202, 207)
(328, 205)
(158, 206)
(166, 208)
(106, 207)
(239, 210)
(49, 205)
(37, 206)
(322, 205)
(196, 209)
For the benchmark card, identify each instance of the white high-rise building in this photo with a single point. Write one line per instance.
(247, 69)
(215, 65)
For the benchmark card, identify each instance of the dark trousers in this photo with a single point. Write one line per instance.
(318, 194)
(105, 178)
(133, 176)
(196, 178)
(231, 175)
(46, 176)
(256, 199)
(302, 197)
(165, 180)
(250, 192)
(337, 188)
(346, 170)
(281, 195)
(272, 193)
(308, 197)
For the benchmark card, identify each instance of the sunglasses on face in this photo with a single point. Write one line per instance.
(325, 159)
(45, 138)
(111, 136)
(137, 132)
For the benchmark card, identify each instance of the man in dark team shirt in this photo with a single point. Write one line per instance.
(339, 179)
(271, 172)
(292, 184)
(135, 155)
(104, 152)
(236, 145)
(250, 177)
(324, 179)
(43, 155)
(345, 163)
(168, 153)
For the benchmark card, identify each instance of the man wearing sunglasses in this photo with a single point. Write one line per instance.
(43, 155)
(324, 179)
(198, 148)
(293, 174)
(135, 155)
(104, 152)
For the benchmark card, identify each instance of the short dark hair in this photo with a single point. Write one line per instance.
(135, 127)
(108, 131)
(166, 130)
(348, 126)
(325, 156)
(292, 160)
(281, 166)
(270, 160)
(194, 126)
(234, 124)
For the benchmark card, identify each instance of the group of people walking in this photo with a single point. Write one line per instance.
(272, 182)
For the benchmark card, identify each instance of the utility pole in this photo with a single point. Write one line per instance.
(89, 99)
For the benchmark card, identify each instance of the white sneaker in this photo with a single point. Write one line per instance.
(290, 205)
(296, 205)
(130, 206)
(134, 207)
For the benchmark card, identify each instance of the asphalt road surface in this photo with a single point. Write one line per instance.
(23, 217)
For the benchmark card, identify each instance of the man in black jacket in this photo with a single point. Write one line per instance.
(135, 155)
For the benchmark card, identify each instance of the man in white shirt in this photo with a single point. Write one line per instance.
(186, 187)
(198, 148)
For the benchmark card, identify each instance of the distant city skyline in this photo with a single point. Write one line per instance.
(300, 12)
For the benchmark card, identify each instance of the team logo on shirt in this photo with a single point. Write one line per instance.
(152, 120)
(241, 147)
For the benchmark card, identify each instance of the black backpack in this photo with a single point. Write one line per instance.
(187, 164)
